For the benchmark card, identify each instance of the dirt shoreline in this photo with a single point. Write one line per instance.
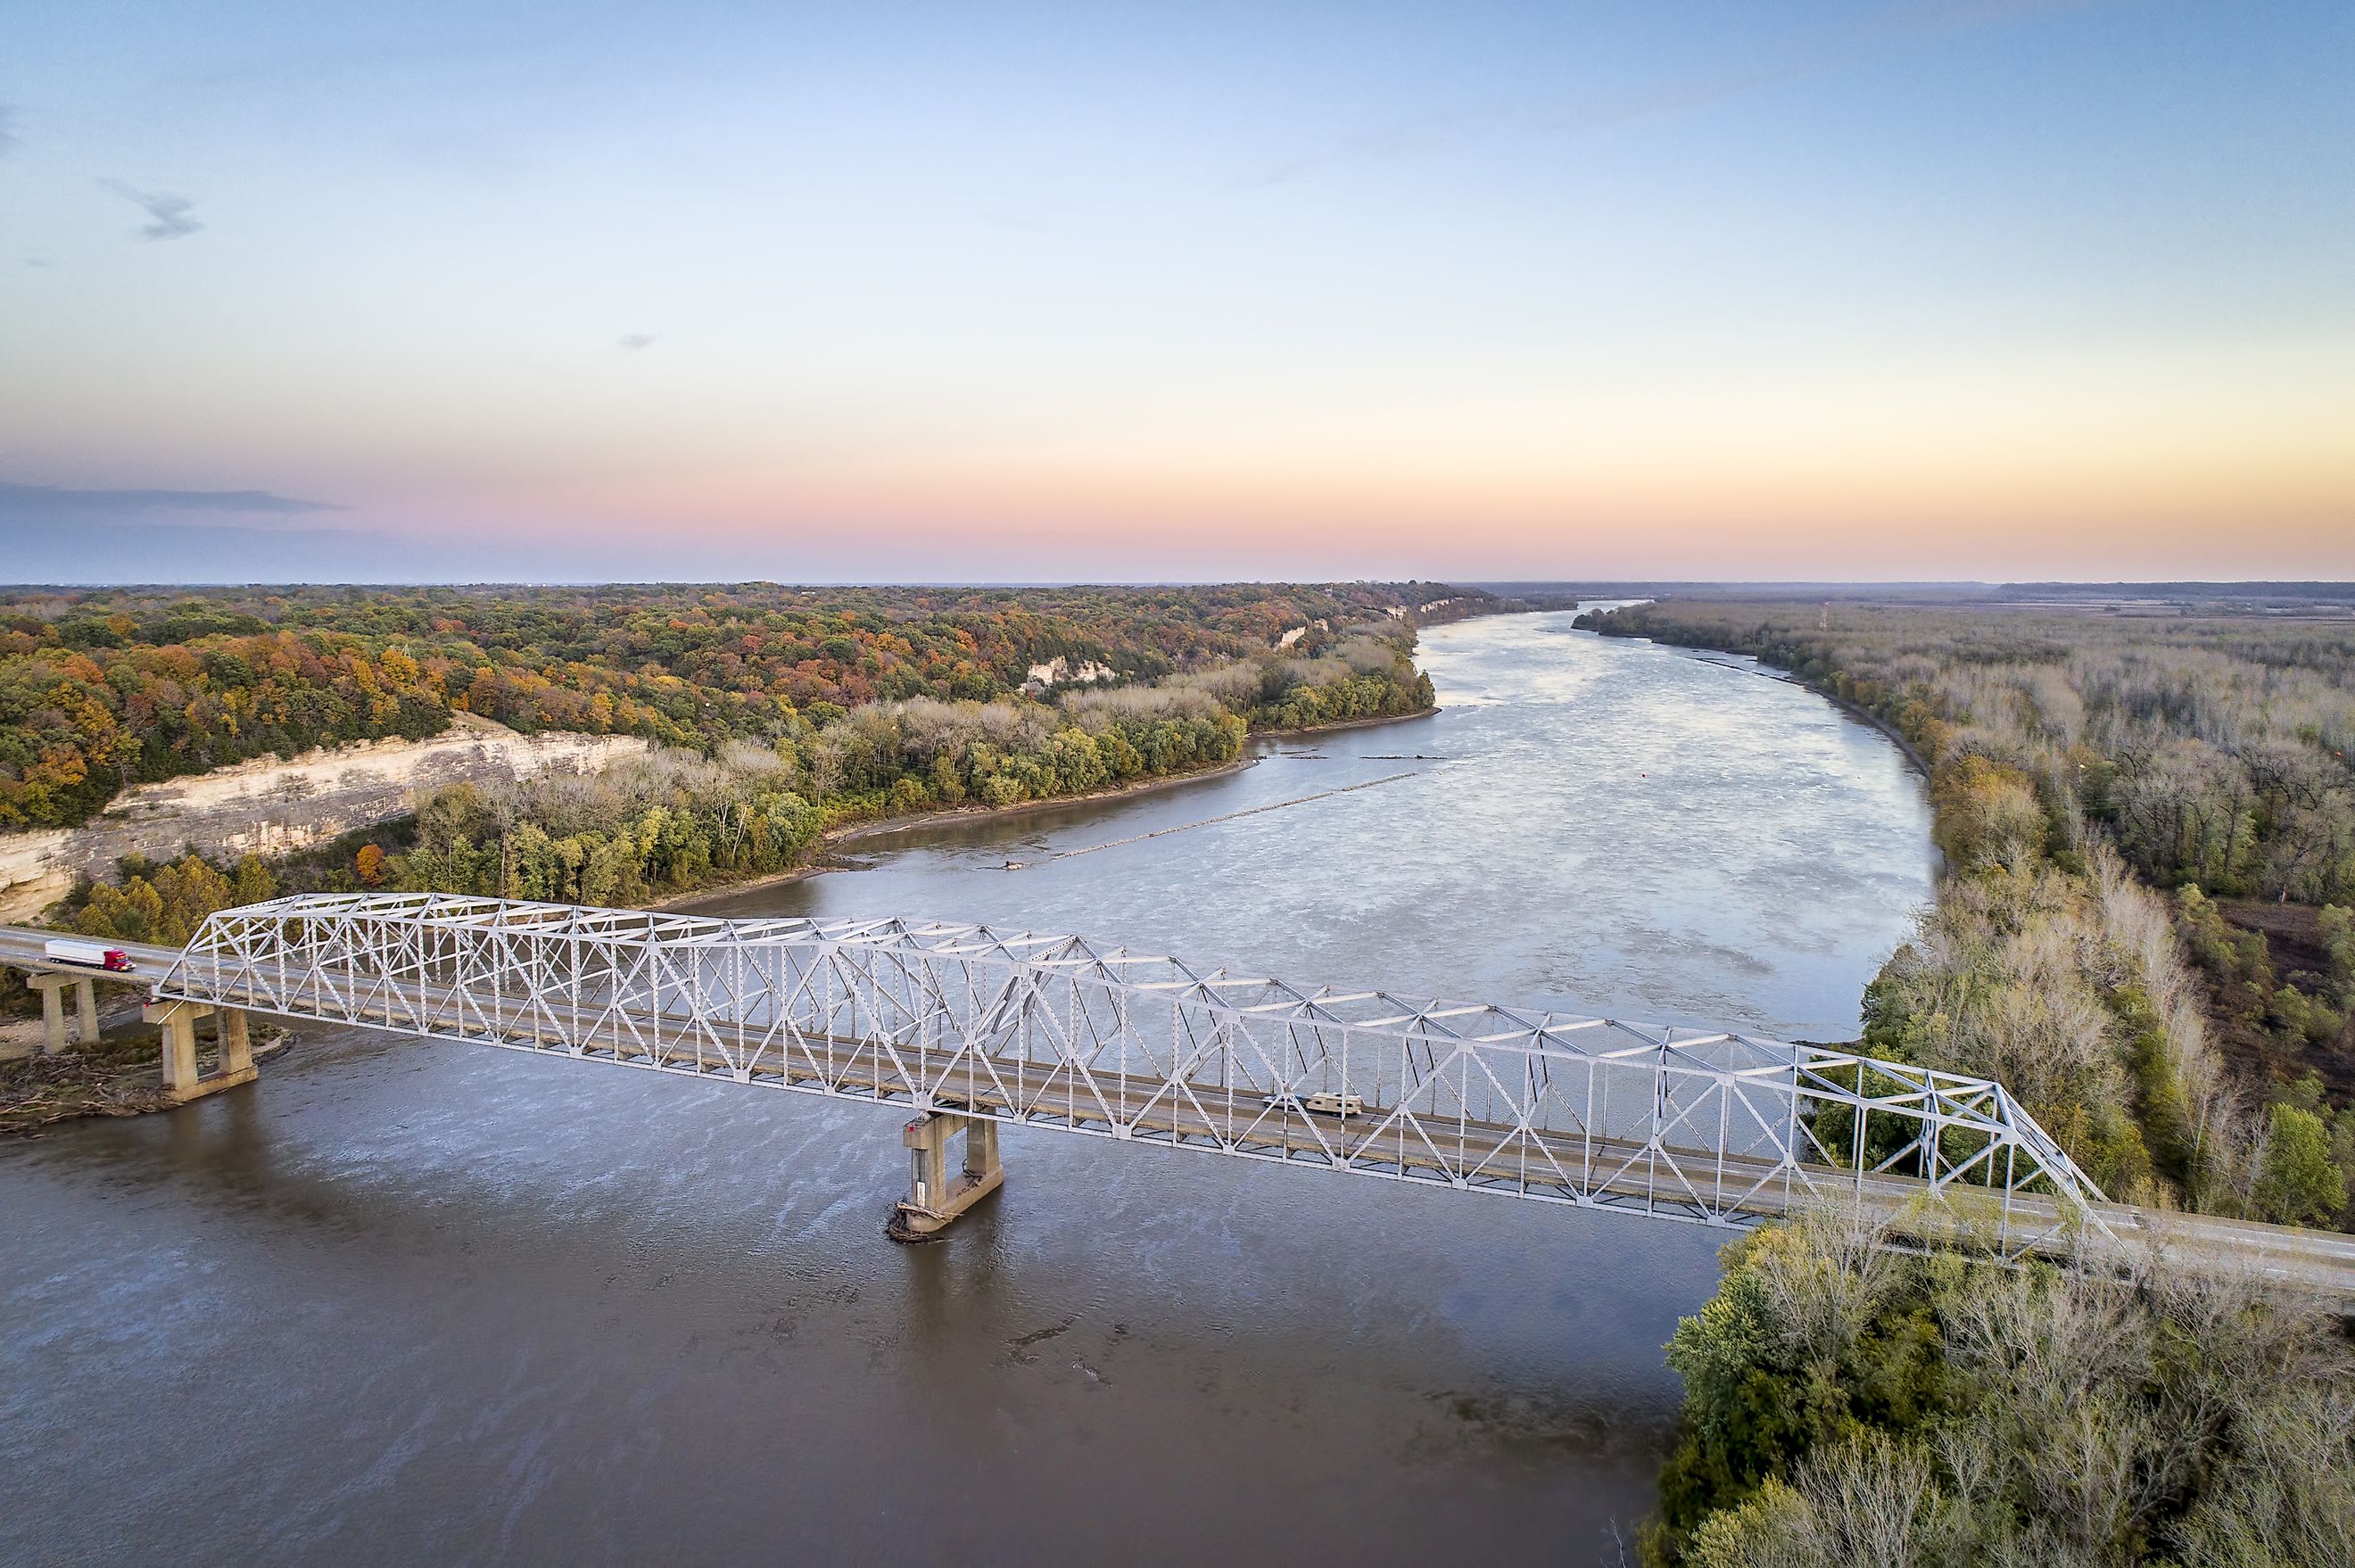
(1337, 727)
(119, 1075)
(1771, 671)
(854, 832)
(1858, 711)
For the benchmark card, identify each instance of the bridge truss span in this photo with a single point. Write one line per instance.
(1047, 1030)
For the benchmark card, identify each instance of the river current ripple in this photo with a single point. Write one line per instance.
(411, 1302)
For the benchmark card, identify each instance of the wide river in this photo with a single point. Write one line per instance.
(413, 1301)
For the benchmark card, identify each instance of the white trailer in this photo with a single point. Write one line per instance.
(87, 954)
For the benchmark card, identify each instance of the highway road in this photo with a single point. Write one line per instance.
(21, 948)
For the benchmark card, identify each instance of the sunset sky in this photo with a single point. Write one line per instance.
(1026, 292)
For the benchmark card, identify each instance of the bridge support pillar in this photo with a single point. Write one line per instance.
(53, 1008)
(236, 1042)
(936, 1195)
(178, 1021)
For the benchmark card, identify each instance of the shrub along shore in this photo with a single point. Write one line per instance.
(1848, 1405)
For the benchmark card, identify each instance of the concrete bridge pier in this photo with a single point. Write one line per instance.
(53, 1008)
(179, 1022)
(936, 1195)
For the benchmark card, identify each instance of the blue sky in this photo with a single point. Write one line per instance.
(1865, 290)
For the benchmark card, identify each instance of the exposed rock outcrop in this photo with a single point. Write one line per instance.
(1058, 671)
(270, 806)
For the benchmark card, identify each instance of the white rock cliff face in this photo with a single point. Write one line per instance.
(1058, 671)
(270, 806)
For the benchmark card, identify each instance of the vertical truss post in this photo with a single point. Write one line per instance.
(962, 1023)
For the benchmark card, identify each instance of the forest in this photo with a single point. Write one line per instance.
(2142, 930)
(679, 819)
(2149, 826)
(104, 689)
(1849, 1403)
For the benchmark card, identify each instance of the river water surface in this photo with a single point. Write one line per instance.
(410, 1302)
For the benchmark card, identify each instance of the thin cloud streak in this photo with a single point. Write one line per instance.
(55, 501)
(170, 212)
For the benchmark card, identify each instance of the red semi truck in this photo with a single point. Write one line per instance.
(87, 956)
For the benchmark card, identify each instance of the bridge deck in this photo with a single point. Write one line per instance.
(1584, 1166)
(1592, 1173)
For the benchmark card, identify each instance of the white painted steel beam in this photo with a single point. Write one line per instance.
(1719, 1127)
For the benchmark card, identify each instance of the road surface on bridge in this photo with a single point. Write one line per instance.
(24, 948)
(1589, 1169)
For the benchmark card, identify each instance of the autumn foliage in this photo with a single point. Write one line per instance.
(105, 689)
(2075, 759)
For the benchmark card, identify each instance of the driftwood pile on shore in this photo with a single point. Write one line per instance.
(109, 1078)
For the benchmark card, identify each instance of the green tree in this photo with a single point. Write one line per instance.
(2300, 1183)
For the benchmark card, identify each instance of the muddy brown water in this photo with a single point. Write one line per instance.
(415, 1302)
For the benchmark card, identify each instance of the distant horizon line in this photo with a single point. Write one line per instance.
(1486, 585)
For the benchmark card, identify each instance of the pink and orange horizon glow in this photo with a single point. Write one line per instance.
(1988, 289)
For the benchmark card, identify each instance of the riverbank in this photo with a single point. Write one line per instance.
(1858, 711)
(2049, 908)
(113, 1077)
(834, 838)
(1854, 710)
(1374, 722)
(1769, 671)
(120, 1074)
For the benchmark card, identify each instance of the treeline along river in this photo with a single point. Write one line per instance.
(406, 1301)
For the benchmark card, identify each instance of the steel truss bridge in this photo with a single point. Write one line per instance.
(1720, 1128)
